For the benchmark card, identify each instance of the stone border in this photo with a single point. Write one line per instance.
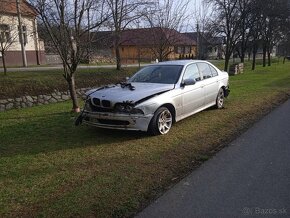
(29, 101)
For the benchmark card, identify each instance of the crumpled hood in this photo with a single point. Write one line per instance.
(117, 94)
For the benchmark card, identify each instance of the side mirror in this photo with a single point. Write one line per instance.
(188, 82)
(127, 78)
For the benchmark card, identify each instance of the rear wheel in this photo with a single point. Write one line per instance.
(220, 99)
(161, 122)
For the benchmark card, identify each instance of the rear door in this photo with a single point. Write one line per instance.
(211, 83)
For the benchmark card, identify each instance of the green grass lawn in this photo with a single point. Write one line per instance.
(49, 167)
(17, 84)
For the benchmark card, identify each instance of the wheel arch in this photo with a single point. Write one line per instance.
(172, 110)
(223, 87)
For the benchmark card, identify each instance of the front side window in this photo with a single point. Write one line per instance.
(4, 33)
(165, 74)
(192, 72)
(205, 70)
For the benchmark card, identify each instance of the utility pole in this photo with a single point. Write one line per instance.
(24, 59)
(197, 42)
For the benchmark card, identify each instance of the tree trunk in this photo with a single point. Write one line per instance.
(4, 63)
(254, 60)
(160, 57)
(255, 49)
(227, 60)
(118, 58)
(73, 94)
(269, 57)
(241, 53)
(242, 57)
(264, 55)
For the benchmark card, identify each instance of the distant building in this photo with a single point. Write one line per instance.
(208, 47)
(145, 44)
(9, 29)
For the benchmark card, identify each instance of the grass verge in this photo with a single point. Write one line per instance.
(17, 84)
(48, 167)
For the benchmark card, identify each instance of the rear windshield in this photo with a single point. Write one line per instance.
(165, 74)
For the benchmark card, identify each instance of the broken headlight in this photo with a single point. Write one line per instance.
(128, 108)
(87, 106)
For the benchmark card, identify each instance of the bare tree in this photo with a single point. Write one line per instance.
(123, 12)
(66, 22)
(201, 16)
(8, 36)
(247, 17)
(274, 14)
(227, 23)
(255, 35)
(166, 18)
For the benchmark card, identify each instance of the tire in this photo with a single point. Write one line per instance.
(220, 99)
(161, 122)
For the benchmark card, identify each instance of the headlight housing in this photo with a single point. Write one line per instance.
(127, 108)
(87, 105)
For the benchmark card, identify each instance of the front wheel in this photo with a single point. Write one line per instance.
(220, 99)
(161, 122)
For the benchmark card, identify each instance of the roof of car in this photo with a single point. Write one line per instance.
(180, 62)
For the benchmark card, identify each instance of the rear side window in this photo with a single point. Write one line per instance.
(192, 72)
(213, 71)
(205, 70)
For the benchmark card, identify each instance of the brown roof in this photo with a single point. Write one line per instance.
(142, 37)
(206, 38)
(9, 7)
(153, 36)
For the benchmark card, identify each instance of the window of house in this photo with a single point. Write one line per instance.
(25, 38)
(187, 50)
(176, 49)
(4, 33)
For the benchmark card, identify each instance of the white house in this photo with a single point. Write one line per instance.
(9, 31)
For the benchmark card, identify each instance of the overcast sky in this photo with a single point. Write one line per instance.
(195, 6)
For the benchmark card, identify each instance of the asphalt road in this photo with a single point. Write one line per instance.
(249, 178)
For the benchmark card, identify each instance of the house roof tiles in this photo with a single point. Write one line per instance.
(9, 7)
(153, 36)
(144, 37)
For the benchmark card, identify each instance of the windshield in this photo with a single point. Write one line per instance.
(166, 74)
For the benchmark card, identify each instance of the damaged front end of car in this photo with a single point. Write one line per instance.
(125, 115)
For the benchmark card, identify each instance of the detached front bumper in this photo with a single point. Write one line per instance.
(117, 120)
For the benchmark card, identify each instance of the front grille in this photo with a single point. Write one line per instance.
(100, 109)
(114, 122)
(106, 103)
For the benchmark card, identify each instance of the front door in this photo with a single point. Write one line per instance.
(192, 95)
